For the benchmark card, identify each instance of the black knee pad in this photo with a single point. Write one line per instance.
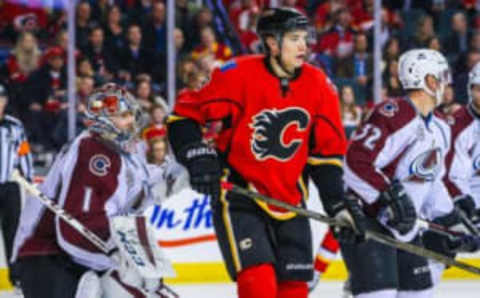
(372, 266)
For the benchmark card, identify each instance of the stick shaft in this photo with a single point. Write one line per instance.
(60, 212)
(379, 237)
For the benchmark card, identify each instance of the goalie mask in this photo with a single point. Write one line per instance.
(414, 67)
(105, 106)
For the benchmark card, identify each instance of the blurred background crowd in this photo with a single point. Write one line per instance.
(125, 41)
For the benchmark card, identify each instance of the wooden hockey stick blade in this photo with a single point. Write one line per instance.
(60, 212)
(381, 238)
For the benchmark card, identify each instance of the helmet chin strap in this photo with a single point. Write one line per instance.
(279, 59)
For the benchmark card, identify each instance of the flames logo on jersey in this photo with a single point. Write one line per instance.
(426, 166)
(269, 128)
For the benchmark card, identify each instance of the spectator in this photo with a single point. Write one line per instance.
(114, 29)
(144, 94)
(103, 59)
(434, 44)
(423, 33)
(203, 19)
(249, 38)
(100, 9)
(185, 68)
(23, 60)
(158, 112)
(179, 39)
(351, 113)
(241, 13)
(85, 87)
(158, 150)
(391, 51)
(449, 104)
(43, 90)
(338, 41)
(391, 80)
(458, 40)
(134, 59)
(83, 24)
(294, 4)
(359, 66)
(475, 42)
(324, 13)
(154, 29)
(17, 17)
(139, 10)
(209, 46)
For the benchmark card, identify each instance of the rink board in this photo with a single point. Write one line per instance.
(184, 228)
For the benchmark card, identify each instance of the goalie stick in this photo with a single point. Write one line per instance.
(73, 222)
(379, 237)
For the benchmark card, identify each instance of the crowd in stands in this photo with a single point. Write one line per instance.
(125, 41)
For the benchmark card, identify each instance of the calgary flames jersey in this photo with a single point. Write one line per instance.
(272, 128)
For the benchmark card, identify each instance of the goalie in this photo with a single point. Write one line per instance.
(96, 179)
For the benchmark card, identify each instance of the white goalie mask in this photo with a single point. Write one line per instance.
(415, 65)
(112, 100)
(473, 79)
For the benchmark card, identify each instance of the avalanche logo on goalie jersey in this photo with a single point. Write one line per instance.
(270, 126)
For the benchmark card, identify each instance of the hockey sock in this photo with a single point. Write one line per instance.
(288, 289)
(257, 282)
(326, 252)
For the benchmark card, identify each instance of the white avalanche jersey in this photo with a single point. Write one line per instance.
(463, 159)
(397, 143)
(93, 182)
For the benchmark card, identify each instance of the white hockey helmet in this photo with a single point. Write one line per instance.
(473, 79)
(108, 101)
(415, 65)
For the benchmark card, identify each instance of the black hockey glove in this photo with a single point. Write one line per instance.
(449, 244)
(398, 208)
(203, 167)
(466, 204)
(349, 211)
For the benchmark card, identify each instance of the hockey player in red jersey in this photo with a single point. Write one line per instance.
(394, 167)
(97, 180)
(280, 118)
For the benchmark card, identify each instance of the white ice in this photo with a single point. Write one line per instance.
(458, 289)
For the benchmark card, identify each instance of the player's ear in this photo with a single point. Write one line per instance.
(272, 45)
(431, 82)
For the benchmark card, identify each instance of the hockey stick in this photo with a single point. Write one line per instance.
(379, 237)
(69, 219)
(60, 212)
(467, 222)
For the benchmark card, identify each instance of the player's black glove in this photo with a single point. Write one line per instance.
(466, 204)
(203, 167)
(450, 245)
(350, 212)
(398, 208)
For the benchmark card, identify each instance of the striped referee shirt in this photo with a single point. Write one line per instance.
(14, 149)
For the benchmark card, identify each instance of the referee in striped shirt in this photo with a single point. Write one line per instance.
(14, 153)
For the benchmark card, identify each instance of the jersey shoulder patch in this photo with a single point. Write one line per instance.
(229, 65)
(394, 113)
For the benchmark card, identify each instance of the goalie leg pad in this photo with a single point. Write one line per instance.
(297, 289)
(114, 287)
(257, 282)
(89, 286)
